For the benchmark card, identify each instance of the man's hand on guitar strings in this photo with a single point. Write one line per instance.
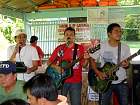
(59, 69)
(124, 63)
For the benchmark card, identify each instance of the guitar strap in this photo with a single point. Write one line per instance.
(119, 53)
(74, 53)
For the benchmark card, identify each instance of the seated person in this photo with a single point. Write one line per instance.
(41, 90)
(15, 102)
(10, 87)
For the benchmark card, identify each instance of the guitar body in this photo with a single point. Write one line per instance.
(58, 77)
(109, 69)
(102, 86)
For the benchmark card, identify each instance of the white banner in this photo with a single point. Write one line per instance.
(105, 16)
(92, 95)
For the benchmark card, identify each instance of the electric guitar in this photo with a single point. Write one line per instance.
(60, 77)
(109, 69)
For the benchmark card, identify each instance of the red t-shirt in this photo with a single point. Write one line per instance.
(68, 56)
(40, 54)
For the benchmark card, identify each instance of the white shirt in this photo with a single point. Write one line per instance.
(27, 55)
(108, 53)
(10, 51)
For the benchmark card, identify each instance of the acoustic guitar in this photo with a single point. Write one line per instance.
(110, 70)
(60, 77)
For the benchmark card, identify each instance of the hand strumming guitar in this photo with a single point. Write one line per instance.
(101, 75)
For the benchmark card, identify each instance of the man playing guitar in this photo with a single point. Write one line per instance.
(65, 52)
(109, 53)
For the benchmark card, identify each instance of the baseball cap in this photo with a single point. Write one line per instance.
(7, 67)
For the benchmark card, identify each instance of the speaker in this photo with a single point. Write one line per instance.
(136, 84)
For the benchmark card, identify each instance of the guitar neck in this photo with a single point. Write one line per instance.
(128, 59)
(132, 56)
(75, 61)
(91, 50)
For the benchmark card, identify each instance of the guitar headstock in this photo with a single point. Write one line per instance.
(138, 52)
(93, 50)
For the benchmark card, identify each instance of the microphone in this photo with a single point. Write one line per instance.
(19, 49)
(68, 41)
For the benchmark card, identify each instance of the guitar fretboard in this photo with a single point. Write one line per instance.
(128, 59)
(91, 50)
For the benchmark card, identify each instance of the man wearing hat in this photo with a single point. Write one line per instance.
(10, 88)
(24, 53)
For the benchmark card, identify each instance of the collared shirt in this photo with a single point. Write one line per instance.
(16, 92)
(68, 56)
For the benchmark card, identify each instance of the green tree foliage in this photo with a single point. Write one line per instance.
(8, 26)
(7, 32)
(132, 32)
(129, 2)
